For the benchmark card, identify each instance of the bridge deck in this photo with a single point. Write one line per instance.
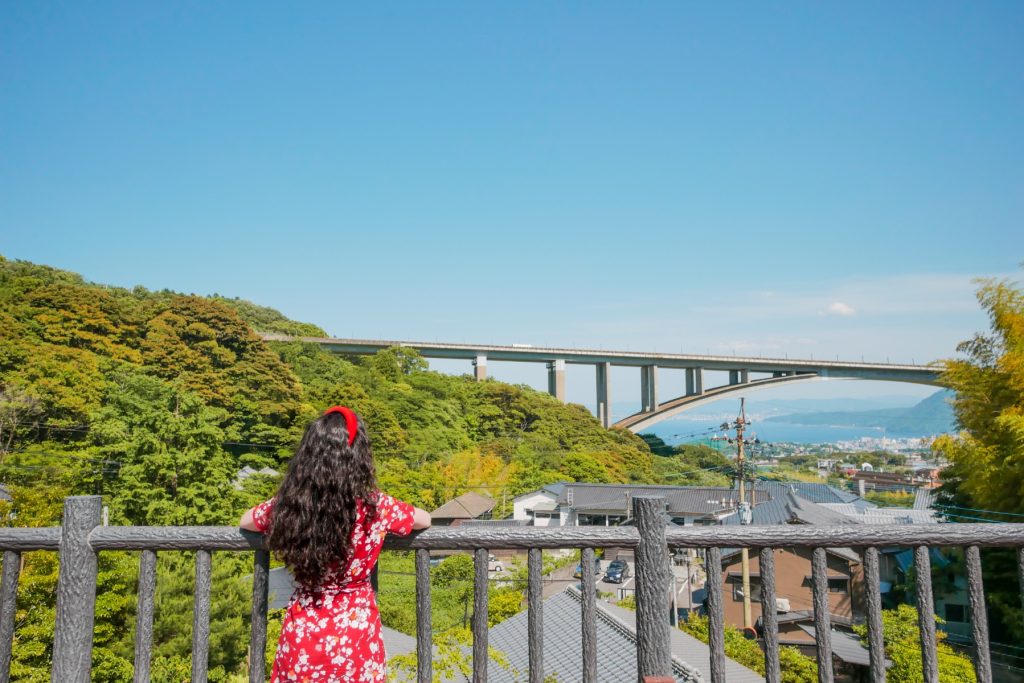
(533, 354)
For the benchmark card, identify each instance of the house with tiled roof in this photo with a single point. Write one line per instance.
(794, 598)
(616, 646)
(468, 506)
(580, 504)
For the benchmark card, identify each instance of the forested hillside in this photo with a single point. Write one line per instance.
(156, 400)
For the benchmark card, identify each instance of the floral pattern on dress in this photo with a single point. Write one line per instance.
(331, 632)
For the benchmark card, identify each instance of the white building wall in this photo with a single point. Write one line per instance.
(528, 501)
(549, 519)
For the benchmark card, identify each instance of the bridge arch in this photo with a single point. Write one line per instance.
(638, 422)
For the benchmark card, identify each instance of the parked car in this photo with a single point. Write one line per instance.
(618, 571)
(578, 573)
(494, 564)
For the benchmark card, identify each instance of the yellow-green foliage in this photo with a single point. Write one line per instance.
(988, 453)
(156, 400)
(795, 667)
(903, 648)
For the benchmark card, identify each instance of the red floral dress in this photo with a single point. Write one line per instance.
(332, 633)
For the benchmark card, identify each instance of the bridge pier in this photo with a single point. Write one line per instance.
(480, 367)
(649, 388)
(556, 379)
(694, 381)
(739, 376)
(604, 393)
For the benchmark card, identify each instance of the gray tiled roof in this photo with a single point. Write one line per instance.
(469, 505)
(554, 489)
(880, 515)
(681, 500)
(847, 647)
(616, 646)
(397, 643)
(787, 507)
(808, 512)
(688, 649)
(493, 522)
(281, 586)
(812, 491)
(923, 499)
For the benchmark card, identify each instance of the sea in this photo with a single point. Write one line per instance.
(683, 430)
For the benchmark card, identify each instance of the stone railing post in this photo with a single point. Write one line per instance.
(653, 638)
(76, 591)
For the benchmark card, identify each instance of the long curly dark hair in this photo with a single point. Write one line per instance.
(315, 510)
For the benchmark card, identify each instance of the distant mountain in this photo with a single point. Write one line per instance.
(933, 415)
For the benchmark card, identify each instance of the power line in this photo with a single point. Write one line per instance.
(83, 429)
(65, 455)
(990, 512)
(978, 519)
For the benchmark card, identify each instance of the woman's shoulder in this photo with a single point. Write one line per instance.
(381, 498)
(385, 501)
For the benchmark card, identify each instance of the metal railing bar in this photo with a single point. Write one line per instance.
(979, 616)
(201, 617)
(76, 592)
(652, 580)
(480, 616)
(769, 616)
(424, 630)
(822, 620)
(926, 613)
(258, 623)
(535, 618)
(232, 538)
(174, 538)
(8, 609)
(144, 616)
(873, 598)
(588, 612)
(1020, 576)
(520, 538)
(83, 538)
(24, 540)
(855, 536)
(716, 622)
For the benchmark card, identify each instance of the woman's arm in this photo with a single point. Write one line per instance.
(420, 519)
(247, 522)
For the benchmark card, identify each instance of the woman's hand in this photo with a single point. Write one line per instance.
(420, 519)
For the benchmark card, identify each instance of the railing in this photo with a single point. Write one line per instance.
(81, 538)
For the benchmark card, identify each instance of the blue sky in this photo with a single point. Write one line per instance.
(801, 178)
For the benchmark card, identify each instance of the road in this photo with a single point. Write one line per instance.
(556, 581)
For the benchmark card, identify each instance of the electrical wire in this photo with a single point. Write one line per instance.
(65, 455)
(990, 512)
(83, 429)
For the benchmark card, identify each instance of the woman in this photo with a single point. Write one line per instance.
(327, 523)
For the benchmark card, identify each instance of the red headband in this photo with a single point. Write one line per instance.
(351, 421)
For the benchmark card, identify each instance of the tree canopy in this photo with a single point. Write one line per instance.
(157, 400)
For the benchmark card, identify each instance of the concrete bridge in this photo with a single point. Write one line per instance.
(745, 374)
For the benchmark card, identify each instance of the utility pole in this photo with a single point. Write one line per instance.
(744, 509)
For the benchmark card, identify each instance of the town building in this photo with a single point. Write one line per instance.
(468, 506)
(575, 504)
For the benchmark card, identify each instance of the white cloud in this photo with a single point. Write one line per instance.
(839, 308)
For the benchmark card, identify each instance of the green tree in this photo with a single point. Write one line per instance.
(987, 455)
(986, 458)
(900, 629)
